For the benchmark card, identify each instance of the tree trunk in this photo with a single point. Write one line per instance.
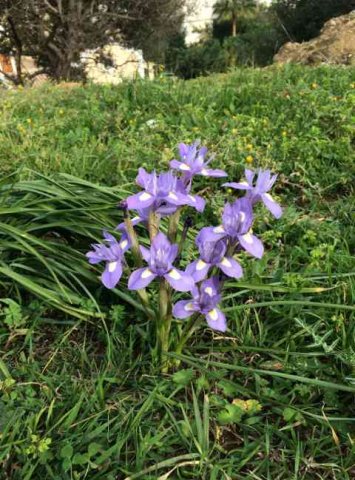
(18, 53)
(234, 25)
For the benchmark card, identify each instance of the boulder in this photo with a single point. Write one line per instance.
(334, 45)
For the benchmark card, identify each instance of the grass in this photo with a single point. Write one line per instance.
(271, 399)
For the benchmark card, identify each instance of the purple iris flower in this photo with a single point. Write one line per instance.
(205, 301)
(112, 254)
(193, 162)
(263, 184)
(237, 220)
(162, 193)
(213, 253)
(160, 260)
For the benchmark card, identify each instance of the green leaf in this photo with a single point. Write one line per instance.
(291, 415)
(93, 449)
(66, 464)
(80, 459)
(183, 377)
(66, 451)
(229, 389)
(231, 414)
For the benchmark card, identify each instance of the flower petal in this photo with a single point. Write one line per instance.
(231, 267)
(94, 258)
(179, 280)
(112, 274)
(249, 175)
(196, 201)
(108, 237)
(263, 180)
(217, 320)
(184, 308)
(135, 221)
(198, 270)
(124, 243)
(210, 172)
(252, 244)
(181, 166)
(238, 186)
(211, 234)
(271, 205)
(175, 198)
(140, 278)
(145, 253)
(140, 200)
(143, 177)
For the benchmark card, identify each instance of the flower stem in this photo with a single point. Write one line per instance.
(153, 225)
(190, 327)
(173, 225)
(142, 293)
(164, 322)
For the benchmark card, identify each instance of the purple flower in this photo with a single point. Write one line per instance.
(205, 300)
(213, 253)
(263, 184)
(162, 193)
(112, 254)
(160, 260)
(193, 162)
(237, 220)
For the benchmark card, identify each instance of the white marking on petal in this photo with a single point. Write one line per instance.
(185, 167)
(200, 265)
(209, 291)
(144, 196)
(173, 196)
(124, 244)
(242, 216)
(193, 199)
(204, 172)
(269, 197)
(219, 229)
(112, 266)
(213, 314)
(174, 274)
(226, 263)
(147, 273)
(248, 238)
(189, 307)
(134, 219)
(244, 183)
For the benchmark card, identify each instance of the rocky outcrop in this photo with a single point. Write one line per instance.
(334, 45)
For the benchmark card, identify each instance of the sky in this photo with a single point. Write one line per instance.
(200, 17)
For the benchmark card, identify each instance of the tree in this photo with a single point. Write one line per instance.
(303, 19)
(56, 32)
(232, 9)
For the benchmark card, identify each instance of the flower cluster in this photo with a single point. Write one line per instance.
(164, 195)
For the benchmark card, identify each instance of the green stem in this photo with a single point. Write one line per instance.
(137, 256)
(164, 322)
(153, 225)
(173, 225)
(134, 241)
(190, 327)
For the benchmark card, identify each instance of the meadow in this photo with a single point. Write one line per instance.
(273, 398)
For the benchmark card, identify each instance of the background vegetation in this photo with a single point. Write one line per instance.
(250, 33)
(274, 397)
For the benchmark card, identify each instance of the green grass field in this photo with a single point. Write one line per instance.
(274, 397)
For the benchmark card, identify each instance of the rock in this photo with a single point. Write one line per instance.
(334, 45)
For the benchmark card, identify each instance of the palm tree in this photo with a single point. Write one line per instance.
(231, 9)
